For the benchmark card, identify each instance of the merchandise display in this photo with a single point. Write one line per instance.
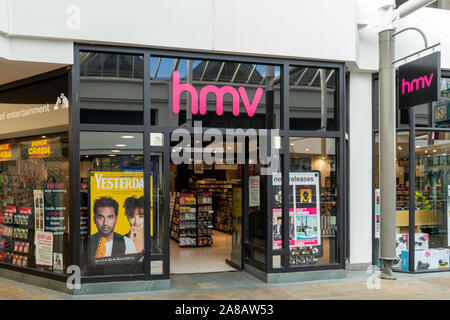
(33, 202)
(184, 220)
(422, 260)
(204, 220)
(401, 244)
(421, 241)
(222, 205)
(191, 219)
(439, 258)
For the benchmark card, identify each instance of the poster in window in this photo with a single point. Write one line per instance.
(306, 207)
(44, 248)
(117, 217)
(254, 191)
(277, 235)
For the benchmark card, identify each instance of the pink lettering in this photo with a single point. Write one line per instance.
(178, 88)
(407, 84)
(418, 83)
(428, 82)
(250, 107)
(176, 91)
(219, 98)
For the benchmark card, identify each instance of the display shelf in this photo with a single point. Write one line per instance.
(221, 191)
(204, 220)
(183, 226)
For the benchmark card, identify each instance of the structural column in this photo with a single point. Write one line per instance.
(387, 152)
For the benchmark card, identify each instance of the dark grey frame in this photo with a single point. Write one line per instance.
(411, 128)
(75, 127)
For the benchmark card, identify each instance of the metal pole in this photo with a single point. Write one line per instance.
(387, 152)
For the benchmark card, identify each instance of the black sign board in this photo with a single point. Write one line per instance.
(419, 81)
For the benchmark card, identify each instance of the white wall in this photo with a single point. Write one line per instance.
(319, 29)
(360, 104)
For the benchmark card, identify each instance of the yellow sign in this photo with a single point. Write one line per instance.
(305, 195)
(124, 191)
(5, 152)
(39, 149)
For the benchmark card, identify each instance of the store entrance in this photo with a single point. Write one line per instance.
(205, 218)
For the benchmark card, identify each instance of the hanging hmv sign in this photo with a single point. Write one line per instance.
(419, 81)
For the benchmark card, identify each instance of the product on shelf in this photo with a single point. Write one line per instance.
(183, 227)
(204, 219)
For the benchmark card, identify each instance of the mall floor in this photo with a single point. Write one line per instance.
(201, 259)
(242, 286)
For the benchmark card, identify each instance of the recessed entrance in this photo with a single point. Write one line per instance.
(205, 217)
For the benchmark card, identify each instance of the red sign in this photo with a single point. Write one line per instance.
(25, 210)
(39, 149)
(10, 209)
(5, 152)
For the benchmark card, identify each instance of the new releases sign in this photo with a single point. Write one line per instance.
(419, 81)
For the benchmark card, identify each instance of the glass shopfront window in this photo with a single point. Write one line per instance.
(112, 215)
(221, 94)
(313, 96)
(432, 199)
(34, 211)
(402, 201)
(34, 175)
(257, 184)
(111, 88)
(313, 201)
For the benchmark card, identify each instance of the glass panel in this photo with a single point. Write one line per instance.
(313, 201)
(221, 94)
(422, 112)
(313, 98)
(402, 203)
(432, 211)
(34, 202)
(111, 88)
(445, 4)
(157, 204)
(234, 245)
(257, 206)
(376, 105)
(112, 181)
(277, 209)
(441, 108)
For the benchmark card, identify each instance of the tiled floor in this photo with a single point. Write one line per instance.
(241, 285)
(204, 259)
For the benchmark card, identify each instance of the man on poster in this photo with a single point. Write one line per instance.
(106, 242)
(277, 229)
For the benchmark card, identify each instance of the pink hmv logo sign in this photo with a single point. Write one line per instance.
(199, 102)
(419, 81)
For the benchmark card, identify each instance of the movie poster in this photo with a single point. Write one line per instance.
(304, 211)
(306, 189)
(116, 217)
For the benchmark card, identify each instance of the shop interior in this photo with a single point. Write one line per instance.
(431, 199)
(205, 209)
